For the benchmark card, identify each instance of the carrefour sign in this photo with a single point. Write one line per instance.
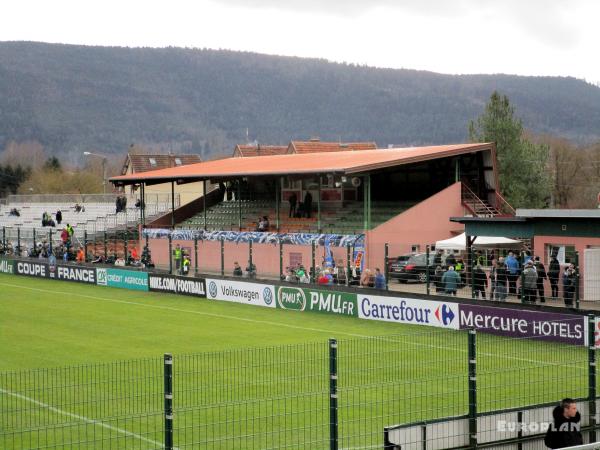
(408, 310)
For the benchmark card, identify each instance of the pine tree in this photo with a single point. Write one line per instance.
(523, 177)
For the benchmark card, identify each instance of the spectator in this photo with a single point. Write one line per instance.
(185, 265)
(379, 279)
(553, 276)
(451, 280)
(501, 280)
(139, 203)
(293, 199)
(251, 270)
(479, 282)
(307, 204)
(365, 278)
(493, 272)
(98, 259)
(64, 236)
(178, 255)
(118, 206)
(569, 282)
(77, 208)
(437, 259)
(437, 279)
(80, 255)
(133, 254)
(512, 266)
(322, 279)
(302, 276)
(450, 260)
(14, 212)
(564, 431)
(541, 276)
(529, 282)
(237, 270)
(290, 276)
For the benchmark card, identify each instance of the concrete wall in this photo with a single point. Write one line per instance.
(424, 223)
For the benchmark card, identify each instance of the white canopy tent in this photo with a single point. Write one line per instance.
(460, 243)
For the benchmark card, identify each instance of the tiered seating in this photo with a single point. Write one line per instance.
(334, 220)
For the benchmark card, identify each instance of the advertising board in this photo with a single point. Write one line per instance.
(303, 299)
(516, 322)
(195, 287)
(409, 311)
(124, 279)
(241, 292)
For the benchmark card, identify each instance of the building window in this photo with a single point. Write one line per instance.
(564, 253)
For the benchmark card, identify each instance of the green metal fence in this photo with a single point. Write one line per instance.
(327, 395)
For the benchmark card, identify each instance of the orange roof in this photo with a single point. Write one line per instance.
(316, 146)
(148, 162)
(343, 162)
(259, 150)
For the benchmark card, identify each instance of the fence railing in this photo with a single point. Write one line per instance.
(339, 394)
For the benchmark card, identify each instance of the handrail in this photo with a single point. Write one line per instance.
(468, 194)
(504, 203)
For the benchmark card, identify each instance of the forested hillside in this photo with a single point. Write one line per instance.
(77, 98)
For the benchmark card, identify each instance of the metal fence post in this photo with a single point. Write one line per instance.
(313, 277)
(34, 246)
(348, 265)
(170, 254)
(168, 377)
(105, 246)
(333, 403)
(19, 240)
(577, 281)
(592, 375)
(50, 240)
(125, 244)
(222, 257)
(472, 342)
(522, 284)
(250, 253)
(280, 259)
(85, 243)
(386, 268)
(4, 238)
(472, 271)
(427, 274)
(195, 255)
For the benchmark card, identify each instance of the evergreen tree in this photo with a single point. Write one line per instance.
(523, 177)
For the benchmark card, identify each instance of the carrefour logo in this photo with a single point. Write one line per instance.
(212, 289)
(444, 314)
(268, 296)
(291, 298)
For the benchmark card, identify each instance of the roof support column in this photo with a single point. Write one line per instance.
(319, 204)
(367, 202)
(457, 169)
(239, 190)
(278, 182)
(173, 205)
(204, 201)
(143, 203)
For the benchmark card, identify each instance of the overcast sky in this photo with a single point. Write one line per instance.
(526, 37)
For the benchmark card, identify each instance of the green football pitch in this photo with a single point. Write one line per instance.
(81, 367)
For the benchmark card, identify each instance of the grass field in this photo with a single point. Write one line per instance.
(244, 377)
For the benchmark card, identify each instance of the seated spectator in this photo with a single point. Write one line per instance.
(77, 208)
(379, 279)
(237, 270)
(251, 270)
(365, 278)
(133, 254)
(302, 276)
(14, 212)
(80, 255)
(263, 224)
(98, 260)
(323, 278)
(185, 264)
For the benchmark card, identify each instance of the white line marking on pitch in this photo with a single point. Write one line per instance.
(78, 417)
(275, 324)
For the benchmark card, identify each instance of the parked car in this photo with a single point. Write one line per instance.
(411, 267)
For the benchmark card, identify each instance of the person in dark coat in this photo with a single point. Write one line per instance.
(58, 216)
(293, 199)
(479, 282)
(569, 282)
(541, 273)
(554, 275)
(308, 204)
(501, 280)
(565, 430)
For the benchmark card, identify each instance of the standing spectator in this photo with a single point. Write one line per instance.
(451, 280)
(177, 253)
(58, 216)
(80, 255)
(569, 284)
(293, 199)
(118, 204)
(308, 204)
(379, 279)
(450, 260)
(479, 282)
(564, 431)
(541, 276)
(365, 278)
(512, 265)
(185, 265)
(229, 191)
(493, 272)
(437, 279)
(501, 280)
(237, 270)
(529, 282)
(437, 259)
(553, 276)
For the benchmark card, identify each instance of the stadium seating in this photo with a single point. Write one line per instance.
(334, 220)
